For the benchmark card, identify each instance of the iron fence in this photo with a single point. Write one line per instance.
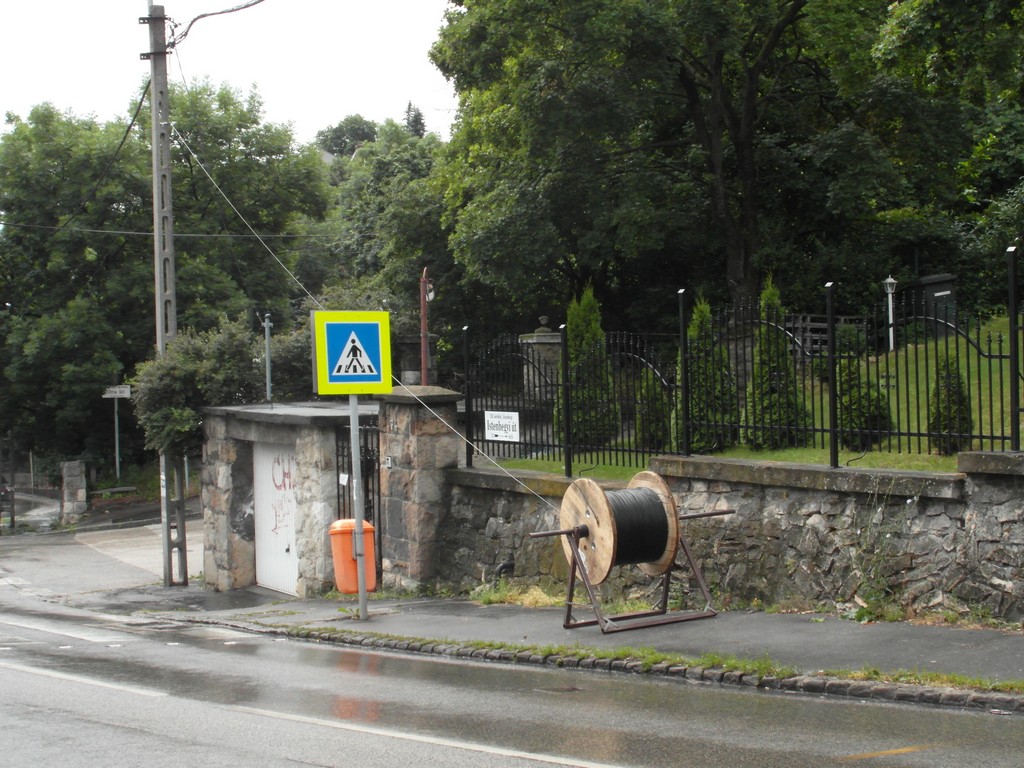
(369, 468)
(913, 377)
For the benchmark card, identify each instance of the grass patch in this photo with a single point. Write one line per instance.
(762, 667)
(506, 592)
(912, 462)
(935, 679)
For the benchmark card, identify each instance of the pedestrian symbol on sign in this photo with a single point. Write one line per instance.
(354, 359)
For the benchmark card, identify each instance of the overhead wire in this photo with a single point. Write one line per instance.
(242, 218)
(176, 38)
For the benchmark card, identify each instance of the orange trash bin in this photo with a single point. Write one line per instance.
(346, 571)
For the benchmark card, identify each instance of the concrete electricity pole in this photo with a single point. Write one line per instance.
(172, 511)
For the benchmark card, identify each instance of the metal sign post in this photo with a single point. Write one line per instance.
(117, 393)
(352, 355)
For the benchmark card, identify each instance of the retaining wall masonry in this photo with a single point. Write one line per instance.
(930, 541)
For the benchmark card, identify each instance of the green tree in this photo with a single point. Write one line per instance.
(594, 412)
(775, 408)
(863, 413)
(384, 230)
(592, 130)
(76, 251)
(347, 136)
(714, 398)
(547, 188)
(219, 366)
(414, 122)
(950, 422)
(230, 166)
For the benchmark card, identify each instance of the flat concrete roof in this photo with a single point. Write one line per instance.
(315, 413)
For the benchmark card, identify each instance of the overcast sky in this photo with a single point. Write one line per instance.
(313, 62)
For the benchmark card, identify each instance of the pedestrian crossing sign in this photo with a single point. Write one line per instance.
(351, 353)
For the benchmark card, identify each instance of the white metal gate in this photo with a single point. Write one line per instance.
(277, 562)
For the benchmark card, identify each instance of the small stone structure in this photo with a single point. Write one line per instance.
(74, 500)
(228, 486)
(419, 441)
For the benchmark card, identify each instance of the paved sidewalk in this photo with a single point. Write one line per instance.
(120, 571)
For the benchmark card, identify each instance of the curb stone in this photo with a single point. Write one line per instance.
(995, 702)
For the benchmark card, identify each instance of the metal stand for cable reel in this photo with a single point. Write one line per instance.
(598, 532)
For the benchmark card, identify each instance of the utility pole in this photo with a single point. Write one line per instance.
(172, 510)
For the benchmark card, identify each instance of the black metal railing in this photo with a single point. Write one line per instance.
(914, 377)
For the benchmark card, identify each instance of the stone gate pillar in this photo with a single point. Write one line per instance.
(418, 442)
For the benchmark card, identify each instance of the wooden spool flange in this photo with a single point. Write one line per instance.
(586, 504)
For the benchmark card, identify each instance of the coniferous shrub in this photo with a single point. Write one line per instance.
(713, 395)
(595, 412)
(863, 410)
(776, 413)
(949, 408)
(652, 412)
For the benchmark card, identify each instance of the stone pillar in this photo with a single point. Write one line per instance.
(74, 500)
(540, 380)
(229, 523)
(416, 447)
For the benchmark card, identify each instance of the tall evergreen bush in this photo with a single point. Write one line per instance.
(949, 408)
(595, 411)
(777, 416)
(864, 416)
(652, 412)
(713, 395)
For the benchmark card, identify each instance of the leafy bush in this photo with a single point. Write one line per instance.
(949, 408)
(218, 367)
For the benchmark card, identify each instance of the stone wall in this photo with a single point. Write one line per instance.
(791, 532)
(806, 533)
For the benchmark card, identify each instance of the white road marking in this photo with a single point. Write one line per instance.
(83, 680)
(79, 633)
(468, 746)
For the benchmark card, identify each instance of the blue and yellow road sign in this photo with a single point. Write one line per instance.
(351, 353)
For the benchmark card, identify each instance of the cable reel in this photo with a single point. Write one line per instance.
(638, 525)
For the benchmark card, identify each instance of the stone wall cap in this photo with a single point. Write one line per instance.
(871, 480)
(991, 462)
(418, 394)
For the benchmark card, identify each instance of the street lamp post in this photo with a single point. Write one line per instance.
(890, 290)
